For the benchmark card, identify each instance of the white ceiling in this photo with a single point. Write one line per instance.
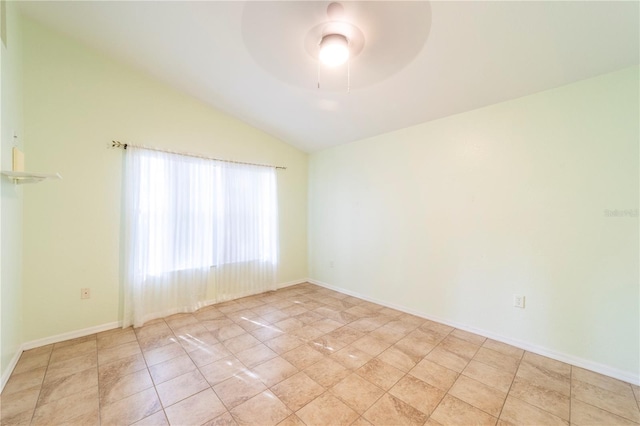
(421, 60)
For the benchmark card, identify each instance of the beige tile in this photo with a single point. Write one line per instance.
(256, 355)
(61, 387)
(380, 373)
(289, 324)
(16, 419)
(308, 317)
(266, 333)
(459, 347)
(547, 364)
(240, 343)
(497, 359)
(275, 316)
(366, 324)
(28, 363)
(327, 410)
(545, 378)
(636, 392)
(158, 340)
(74, 342)
(448, 359)
(361, 421)
(172, 368)
(604, 382)
(121, 367)
(163, 353)
(14, 406)
(292, 420)
(181, 387)
(371, 345)
(117, 352)
(297, 391)
(263, 409)
(489, 375)
(420, 395)
(307, 333)
(486, 398)
(518, 412)
(227, 332)
(351, 357)
(156, 419)
(303, 356)
(345, 335)
(400, 358)
(66, 409)
(452, 411)
(476, 339)
(221, 370)
(274, 371)
(121, 387)
(71, 366)
(583, 414)
(239, 388)
(180, 320)
(225, 419)
(196, 409)
(192, 339)
(208, 313)
(63, 353)
(623, 406)
(434, 374)
(548, 400)
(389, 410)
(152, 328)
(327, 325)
(327, 372)
(131, 409)
(357, 392)
(327, 344)
(205, 356)
(504, 349)
(47, 349)
(116, 337)
(283, 343)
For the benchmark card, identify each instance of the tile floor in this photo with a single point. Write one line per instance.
(304, 355)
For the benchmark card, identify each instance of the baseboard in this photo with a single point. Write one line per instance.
(12, 365)
(291, 283)
(558, 356)
(70, 335)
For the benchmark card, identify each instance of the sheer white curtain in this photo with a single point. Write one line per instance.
(184, 216)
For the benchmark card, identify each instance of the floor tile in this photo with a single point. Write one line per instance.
(327, 410)
(71, 366)
(221, 370)
(380, 373)
(61, 387)
(297, 391)
(172, 368)
(486, 398)
(351, 357)
(623, 406)
(434, 374)
(20, 403)
(545, 378)
(156, 419)
(420, 395)
(327, 372)
(256, 355)
(357, 392)
(123, 386)
(69, 351)
(131, 409)
(453, 411)
(196, 409)
(469, 337)
(448, 359)
(548, 400)
(181, 387)
(163, 353)
(604, 382)
(389, 410)
(503, 348)
(66, 409)
(497, 359)
(303, 356)
(489, 375)
(263, 409)
(583, 414)
(292, 420)
(518, 412)
(115, 337)
(115, 353)
(274, 371)
(239, 388)
(284, 343)
(400, 358)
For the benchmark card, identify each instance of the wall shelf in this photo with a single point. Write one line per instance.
(29, 177)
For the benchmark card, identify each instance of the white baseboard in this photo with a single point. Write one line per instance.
(290, 283)
(70, 335)
(558, 356)
(12, 364)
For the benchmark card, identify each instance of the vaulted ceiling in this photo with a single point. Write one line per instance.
(419, 61)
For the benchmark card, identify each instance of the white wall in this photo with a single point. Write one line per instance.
(76, 101)
(451, 218)
(11, 197)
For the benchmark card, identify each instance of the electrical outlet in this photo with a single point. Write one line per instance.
(85, 293)
(518, 301)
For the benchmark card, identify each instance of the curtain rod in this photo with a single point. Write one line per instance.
(118, 144)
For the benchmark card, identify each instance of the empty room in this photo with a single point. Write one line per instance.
(319, 213)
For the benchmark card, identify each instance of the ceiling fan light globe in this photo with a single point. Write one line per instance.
(334, 50)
